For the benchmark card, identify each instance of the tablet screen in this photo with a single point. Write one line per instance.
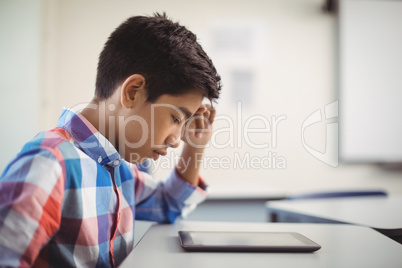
(252, 239)
(247, 241)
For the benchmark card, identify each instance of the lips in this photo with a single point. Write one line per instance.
(156, 154)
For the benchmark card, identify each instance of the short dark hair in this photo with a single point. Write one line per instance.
(164, 52)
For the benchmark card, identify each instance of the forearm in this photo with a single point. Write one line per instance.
(190, 163)
(165, 201)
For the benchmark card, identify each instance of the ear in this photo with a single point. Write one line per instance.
(132, 89)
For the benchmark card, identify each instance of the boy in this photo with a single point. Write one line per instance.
(70, 197)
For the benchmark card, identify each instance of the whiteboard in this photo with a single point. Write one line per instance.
(370, 51)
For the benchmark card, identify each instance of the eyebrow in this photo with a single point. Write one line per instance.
(186, 112)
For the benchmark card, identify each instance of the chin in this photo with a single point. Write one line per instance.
(143, 160)
(136, 158)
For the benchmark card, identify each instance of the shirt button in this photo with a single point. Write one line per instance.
(100, 159)
(116, 162)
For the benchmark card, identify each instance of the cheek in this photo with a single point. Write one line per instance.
(134, 142)
(134, 132)
(158, 132)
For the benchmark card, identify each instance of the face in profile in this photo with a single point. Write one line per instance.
(151, 128)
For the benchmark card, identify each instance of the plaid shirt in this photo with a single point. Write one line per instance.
(68, 199)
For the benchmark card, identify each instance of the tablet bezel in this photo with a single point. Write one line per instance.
(187, 243)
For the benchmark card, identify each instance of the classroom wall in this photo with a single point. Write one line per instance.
(20, 37)
(287, 71)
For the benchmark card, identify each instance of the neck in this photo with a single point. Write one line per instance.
(101, 114)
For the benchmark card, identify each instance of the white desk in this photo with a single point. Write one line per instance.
(381, 213)
(342, 246)
(141, 228)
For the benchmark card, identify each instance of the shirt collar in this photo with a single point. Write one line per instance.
(89, 139)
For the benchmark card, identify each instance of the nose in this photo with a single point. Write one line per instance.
(173, 141)
(176, 144)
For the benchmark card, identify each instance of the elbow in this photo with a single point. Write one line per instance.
(172, 216)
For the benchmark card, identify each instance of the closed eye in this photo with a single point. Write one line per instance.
(175, 120)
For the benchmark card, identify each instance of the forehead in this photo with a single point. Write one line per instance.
(190, 101)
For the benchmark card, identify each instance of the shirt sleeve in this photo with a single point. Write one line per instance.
(31, 192)
(164, 201)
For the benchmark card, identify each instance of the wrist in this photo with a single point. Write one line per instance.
(193, 149)
(189, 164)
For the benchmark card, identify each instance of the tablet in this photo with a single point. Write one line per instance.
(246, 241)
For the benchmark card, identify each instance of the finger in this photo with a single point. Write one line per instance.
(202, 109)
(199, 125)
(208, 106)
(201, 119)
(206, 115)
(212, 115)
(199, 122)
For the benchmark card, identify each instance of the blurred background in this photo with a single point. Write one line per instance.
(286, 67)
